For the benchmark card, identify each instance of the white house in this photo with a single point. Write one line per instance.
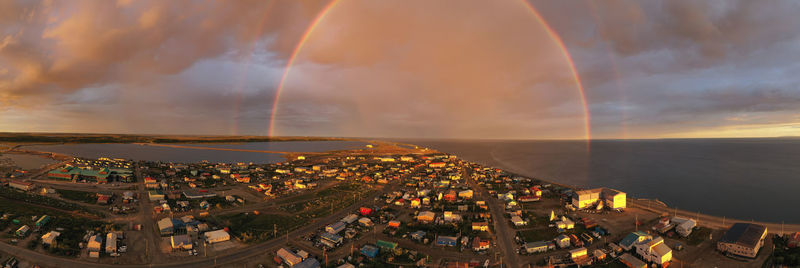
(654, 250)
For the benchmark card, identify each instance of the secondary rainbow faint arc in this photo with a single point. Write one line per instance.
(550, 32)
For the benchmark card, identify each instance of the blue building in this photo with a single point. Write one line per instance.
(450, 241)
(369, 251)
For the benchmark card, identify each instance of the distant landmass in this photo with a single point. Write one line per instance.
(131, 138)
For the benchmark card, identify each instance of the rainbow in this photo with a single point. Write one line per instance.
(549, 30)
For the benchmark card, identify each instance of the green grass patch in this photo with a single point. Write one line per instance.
(80, 196)
(251, 228)
(698, 236)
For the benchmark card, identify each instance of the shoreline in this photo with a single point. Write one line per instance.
(660, 207)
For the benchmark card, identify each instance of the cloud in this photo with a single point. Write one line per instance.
(398, 68)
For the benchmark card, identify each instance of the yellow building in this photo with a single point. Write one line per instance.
(613, 199)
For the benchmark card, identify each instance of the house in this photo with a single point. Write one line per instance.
(599, 255)
(450, 241)
(633, 238)
(19, 185)
(364, 221)
(155, 195)
(369, 251)
(562, 241)
(580, 256)
(449, 216)
(335, 228)
(436, 165)
(536, 247)
(111, 243)
(386, 244)
(743, 239)
(166, 226)
(536, 192)
(517, 221)
(42, 221)
(329, 239)
(793, 240)
(365, 211)
(527, 199)
(631, 261)
(308, 263)
(479, 244)
(23, 231)
(466, 194)
(426, 216)
(181, 242)
(685, 227)
(50, 238)
(655, 251)
(418, 235)
(450, 196)
(350, 218)
(480, 226)
(288, 257)
(565, 223)
(94, 243)
(46, 191)
(217, 236)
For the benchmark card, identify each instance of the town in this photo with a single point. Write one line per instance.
(419, 208)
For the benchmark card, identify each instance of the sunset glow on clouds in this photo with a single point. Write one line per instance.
(449, 69)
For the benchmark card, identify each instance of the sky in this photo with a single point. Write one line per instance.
(420, 69)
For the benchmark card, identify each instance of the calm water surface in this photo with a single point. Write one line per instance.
(740, 178)
(29, 162)
(183, 155)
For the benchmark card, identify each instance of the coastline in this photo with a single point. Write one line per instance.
(660, 207)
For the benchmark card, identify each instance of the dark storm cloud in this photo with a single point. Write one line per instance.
(650, 68)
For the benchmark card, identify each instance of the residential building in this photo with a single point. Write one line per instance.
(95, 243)
(289, 257)
(743, 239)
(111, 243)
(50, 238)
(480, 226)
(369, 251)
(537, 247)
(631, 261)
(181, 242)
(450, 241)
(655, 251)
(562, 241)
(335, 228)
(634, 238)
(479, 244)
(24, 186)
(23, 231)
(426, 216)
(517, 221)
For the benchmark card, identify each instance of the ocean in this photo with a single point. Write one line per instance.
(746, 179)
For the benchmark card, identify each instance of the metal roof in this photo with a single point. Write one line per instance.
(745, 234)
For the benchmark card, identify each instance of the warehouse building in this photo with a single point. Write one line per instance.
(743, 239)
(217, 236)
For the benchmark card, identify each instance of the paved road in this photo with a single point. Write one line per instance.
(505, 234)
